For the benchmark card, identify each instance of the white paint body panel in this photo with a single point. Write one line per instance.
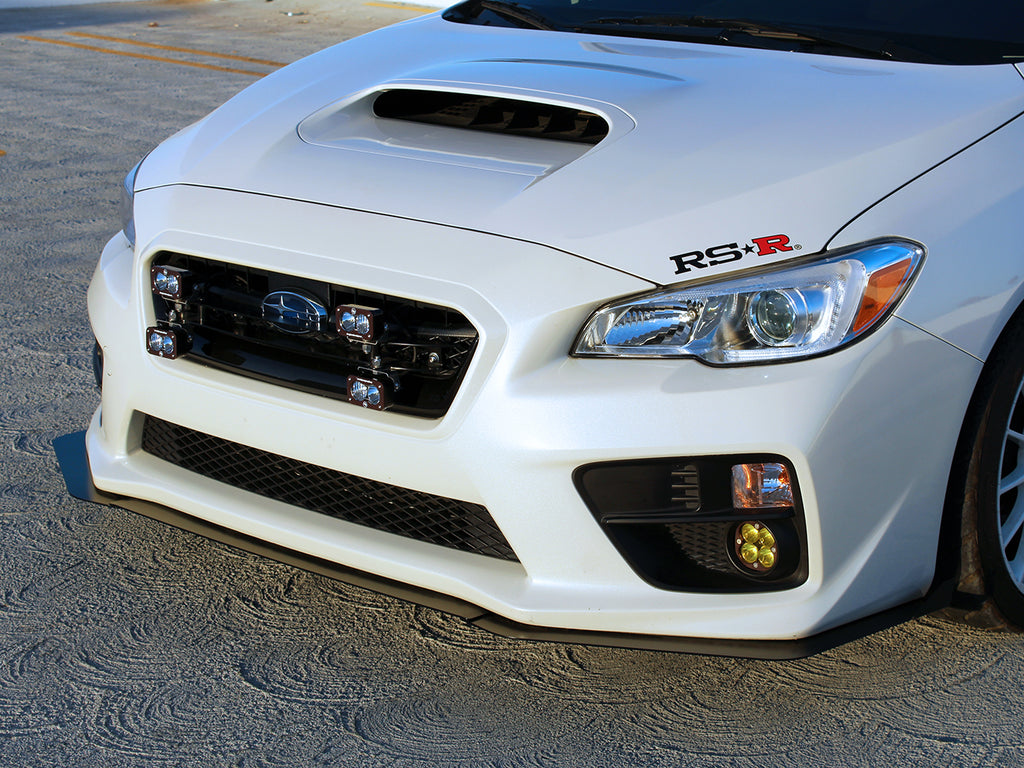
(707, 146)
(968, 211)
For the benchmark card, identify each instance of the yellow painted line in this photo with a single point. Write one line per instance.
(196, 51)
(2, 153)
(403, 7)
(141, 56)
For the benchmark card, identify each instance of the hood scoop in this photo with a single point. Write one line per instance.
(497, 130)
(497, 114)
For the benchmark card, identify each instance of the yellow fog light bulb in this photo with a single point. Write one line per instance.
(749, 533)
(765, 539)
(748, 553)
(766, 557)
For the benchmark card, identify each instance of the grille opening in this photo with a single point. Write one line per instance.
(492, 113)
(416, 515)
(422, 357)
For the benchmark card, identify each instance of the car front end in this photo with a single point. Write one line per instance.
(636, 344)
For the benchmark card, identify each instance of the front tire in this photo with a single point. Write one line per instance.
(994, 491)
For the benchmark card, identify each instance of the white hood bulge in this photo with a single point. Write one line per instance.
(706, 146)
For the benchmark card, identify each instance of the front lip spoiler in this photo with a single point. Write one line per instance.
(74, 465)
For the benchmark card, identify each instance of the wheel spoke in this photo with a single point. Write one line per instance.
(1015, 437)
(1013, 523)
(1012, 480)
(1017, 566)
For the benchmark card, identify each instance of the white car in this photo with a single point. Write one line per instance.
(648, 326)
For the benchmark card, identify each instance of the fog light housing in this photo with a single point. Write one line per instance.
(169, 282)
(682, 524)
(166, 342)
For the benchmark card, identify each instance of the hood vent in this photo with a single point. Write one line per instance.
(491, 113)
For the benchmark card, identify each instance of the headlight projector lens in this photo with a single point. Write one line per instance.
(773, 317)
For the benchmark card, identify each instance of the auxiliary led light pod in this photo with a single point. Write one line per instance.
(369, 393)
(356, 323)
(755, 547)
(166, 342)
(169, 282)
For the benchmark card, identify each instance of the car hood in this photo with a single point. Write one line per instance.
(707, 146)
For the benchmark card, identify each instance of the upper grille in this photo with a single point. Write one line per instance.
(422, 516)
(421, 357)
(492, 113)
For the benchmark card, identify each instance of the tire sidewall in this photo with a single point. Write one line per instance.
(1000, 389)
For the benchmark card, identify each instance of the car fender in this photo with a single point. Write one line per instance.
(968, 212)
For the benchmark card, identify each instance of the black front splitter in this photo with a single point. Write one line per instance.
(74, 465)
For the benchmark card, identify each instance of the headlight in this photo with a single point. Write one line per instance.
(128, 204)
(784, 314)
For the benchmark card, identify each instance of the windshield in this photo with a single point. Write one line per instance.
(934, 31)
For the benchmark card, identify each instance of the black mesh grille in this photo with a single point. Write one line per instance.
(490, 113)
(421, 516)
(707, 544)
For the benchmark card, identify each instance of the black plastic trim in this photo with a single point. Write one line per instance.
(97, 365)
(425, 517)
(631, 514)
(492, 114)
(74, 465)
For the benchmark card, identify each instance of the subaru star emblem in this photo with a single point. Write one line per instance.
(293, 313)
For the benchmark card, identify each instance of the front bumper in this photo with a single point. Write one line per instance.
(74, 463)
(869, 436)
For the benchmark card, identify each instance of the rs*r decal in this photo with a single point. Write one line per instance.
(723, 254)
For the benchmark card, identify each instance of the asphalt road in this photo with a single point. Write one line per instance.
(127, 643)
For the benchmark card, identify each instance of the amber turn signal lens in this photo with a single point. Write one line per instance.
(883, 287)
(761, 486)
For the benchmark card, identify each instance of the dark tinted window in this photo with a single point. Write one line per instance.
(937, 31)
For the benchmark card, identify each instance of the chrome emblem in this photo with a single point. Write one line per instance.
(293, 313)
